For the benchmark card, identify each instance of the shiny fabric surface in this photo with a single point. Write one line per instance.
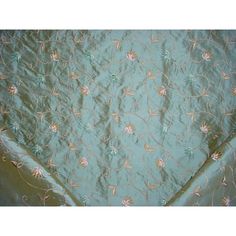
(118, 118)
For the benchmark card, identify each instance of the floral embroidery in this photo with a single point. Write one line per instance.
(129, 129)
(73, 76)
(127, 165)
(117, 44)
(192, 115)
(85, 90)
(226, 201)
(113, 188)
(12, 90)
(160, 163)
(162, 91)
(54, 92)
(15, 163)
(83, 161)
(154, 39)
(147, 118)
(76, 113)
(72, 146)
(151, 186)
(131, 55)
(204, 128)
(223, 182)
(37, 172)
(148, 148)
(127, 201)
(150, 75)
(53, 127)
(165, 128)
(116, 117)
(206, 56)
(55, 56)
(128, 92)
(204, 93)
(152, 113)
(215, 156)
(197, 191)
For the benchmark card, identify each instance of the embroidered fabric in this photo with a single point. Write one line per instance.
(117, 118)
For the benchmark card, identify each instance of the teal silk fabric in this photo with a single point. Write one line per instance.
(118, 118)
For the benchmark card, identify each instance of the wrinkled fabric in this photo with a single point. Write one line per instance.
(118, 118)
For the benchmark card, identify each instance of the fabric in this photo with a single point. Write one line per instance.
(118, 118)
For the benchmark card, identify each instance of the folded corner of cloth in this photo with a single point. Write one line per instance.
(25, 181)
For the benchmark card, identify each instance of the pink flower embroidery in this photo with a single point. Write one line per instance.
(128, 92)
(127, 201)
(83, 161)
(150, 75)
(85, 90)
(162, 91)
(129, 129)
(206, 56)
(131, 55)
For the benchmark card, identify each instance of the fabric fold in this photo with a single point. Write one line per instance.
(25, 181)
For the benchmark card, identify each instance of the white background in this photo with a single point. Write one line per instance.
(117, 14)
